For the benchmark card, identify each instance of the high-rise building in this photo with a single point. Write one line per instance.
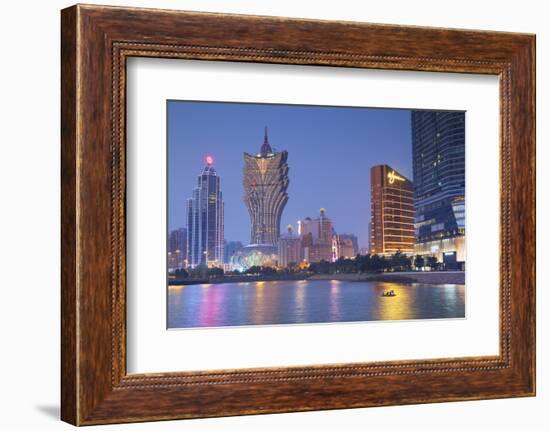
(177, 249)
(289, 249)
(265, 192)
(346, 245)
(205, 224)
(438, 140)
(392, 212)
(317, 238)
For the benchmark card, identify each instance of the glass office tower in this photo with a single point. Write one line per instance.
(205, 224)
(438, 142)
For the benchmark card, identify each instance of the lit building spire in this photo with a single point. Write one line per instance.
(266, 149)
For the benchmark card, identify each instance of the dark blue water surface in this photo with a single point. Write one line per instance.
(305, 301)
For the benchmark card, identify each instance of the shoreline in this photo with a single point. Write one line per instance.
(432, 277)
(237, 279)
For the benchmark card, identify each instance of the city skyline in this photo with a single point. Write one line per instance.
(303, 131)
(334, 176)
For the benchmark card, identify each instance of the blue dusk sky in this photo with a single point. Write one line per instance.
(330, 153)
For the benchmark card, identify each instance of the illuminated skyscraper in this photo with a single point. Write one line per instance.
(439, 178)
(205, 224)
(265, 184)
(392, 212)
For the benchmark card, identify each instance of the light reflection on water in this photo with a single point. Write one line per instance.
(319, 301)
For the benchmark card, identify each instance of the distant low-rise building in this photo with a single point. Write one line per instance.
(177, 249)
(254, 255)
(230, 249)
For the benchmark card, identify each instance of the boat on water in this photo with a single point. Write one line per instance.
(389, 293)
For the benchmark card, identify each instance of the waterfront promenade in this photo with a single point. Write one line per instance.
(431, 277)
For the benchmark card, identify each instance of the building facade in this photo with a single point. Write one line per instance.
(177, 249)
(265, 185)
(289, 249)
(438, 140)
(254, 255)
(205, 220)
(317, 238)
(392, 212)
(346, 246)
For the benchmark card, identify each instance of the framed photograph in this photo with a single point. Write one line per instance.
(264, 215)
(245, 249)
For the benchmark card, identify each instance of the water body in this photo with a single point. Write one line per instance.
(303, 301)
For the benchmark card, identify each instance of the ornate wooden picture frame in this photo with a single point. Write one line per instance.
(96, 41)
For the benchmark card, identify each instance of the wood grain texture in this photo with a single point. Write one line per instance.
(96, 41)
(69, 397)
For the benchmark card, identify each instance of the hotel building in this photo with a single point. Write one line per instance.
(205, 223)
(439, 184)
(265, 185)
(392, 212)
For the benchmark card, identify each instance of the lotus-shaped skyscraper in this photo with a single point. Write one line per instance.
(265, 192)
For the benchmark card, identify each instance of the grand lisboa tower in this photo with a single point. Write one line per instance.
(265, 192)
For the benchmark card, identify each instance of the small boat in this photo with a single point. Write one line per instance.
(389, 293)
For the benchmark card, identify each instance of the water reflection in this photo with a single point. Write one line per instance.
(398, 307)
(334, 301)
(288, 302)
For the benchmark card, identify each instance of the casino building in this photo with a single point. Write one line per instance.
(439, 183)
(392, 212)
(265, 185)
